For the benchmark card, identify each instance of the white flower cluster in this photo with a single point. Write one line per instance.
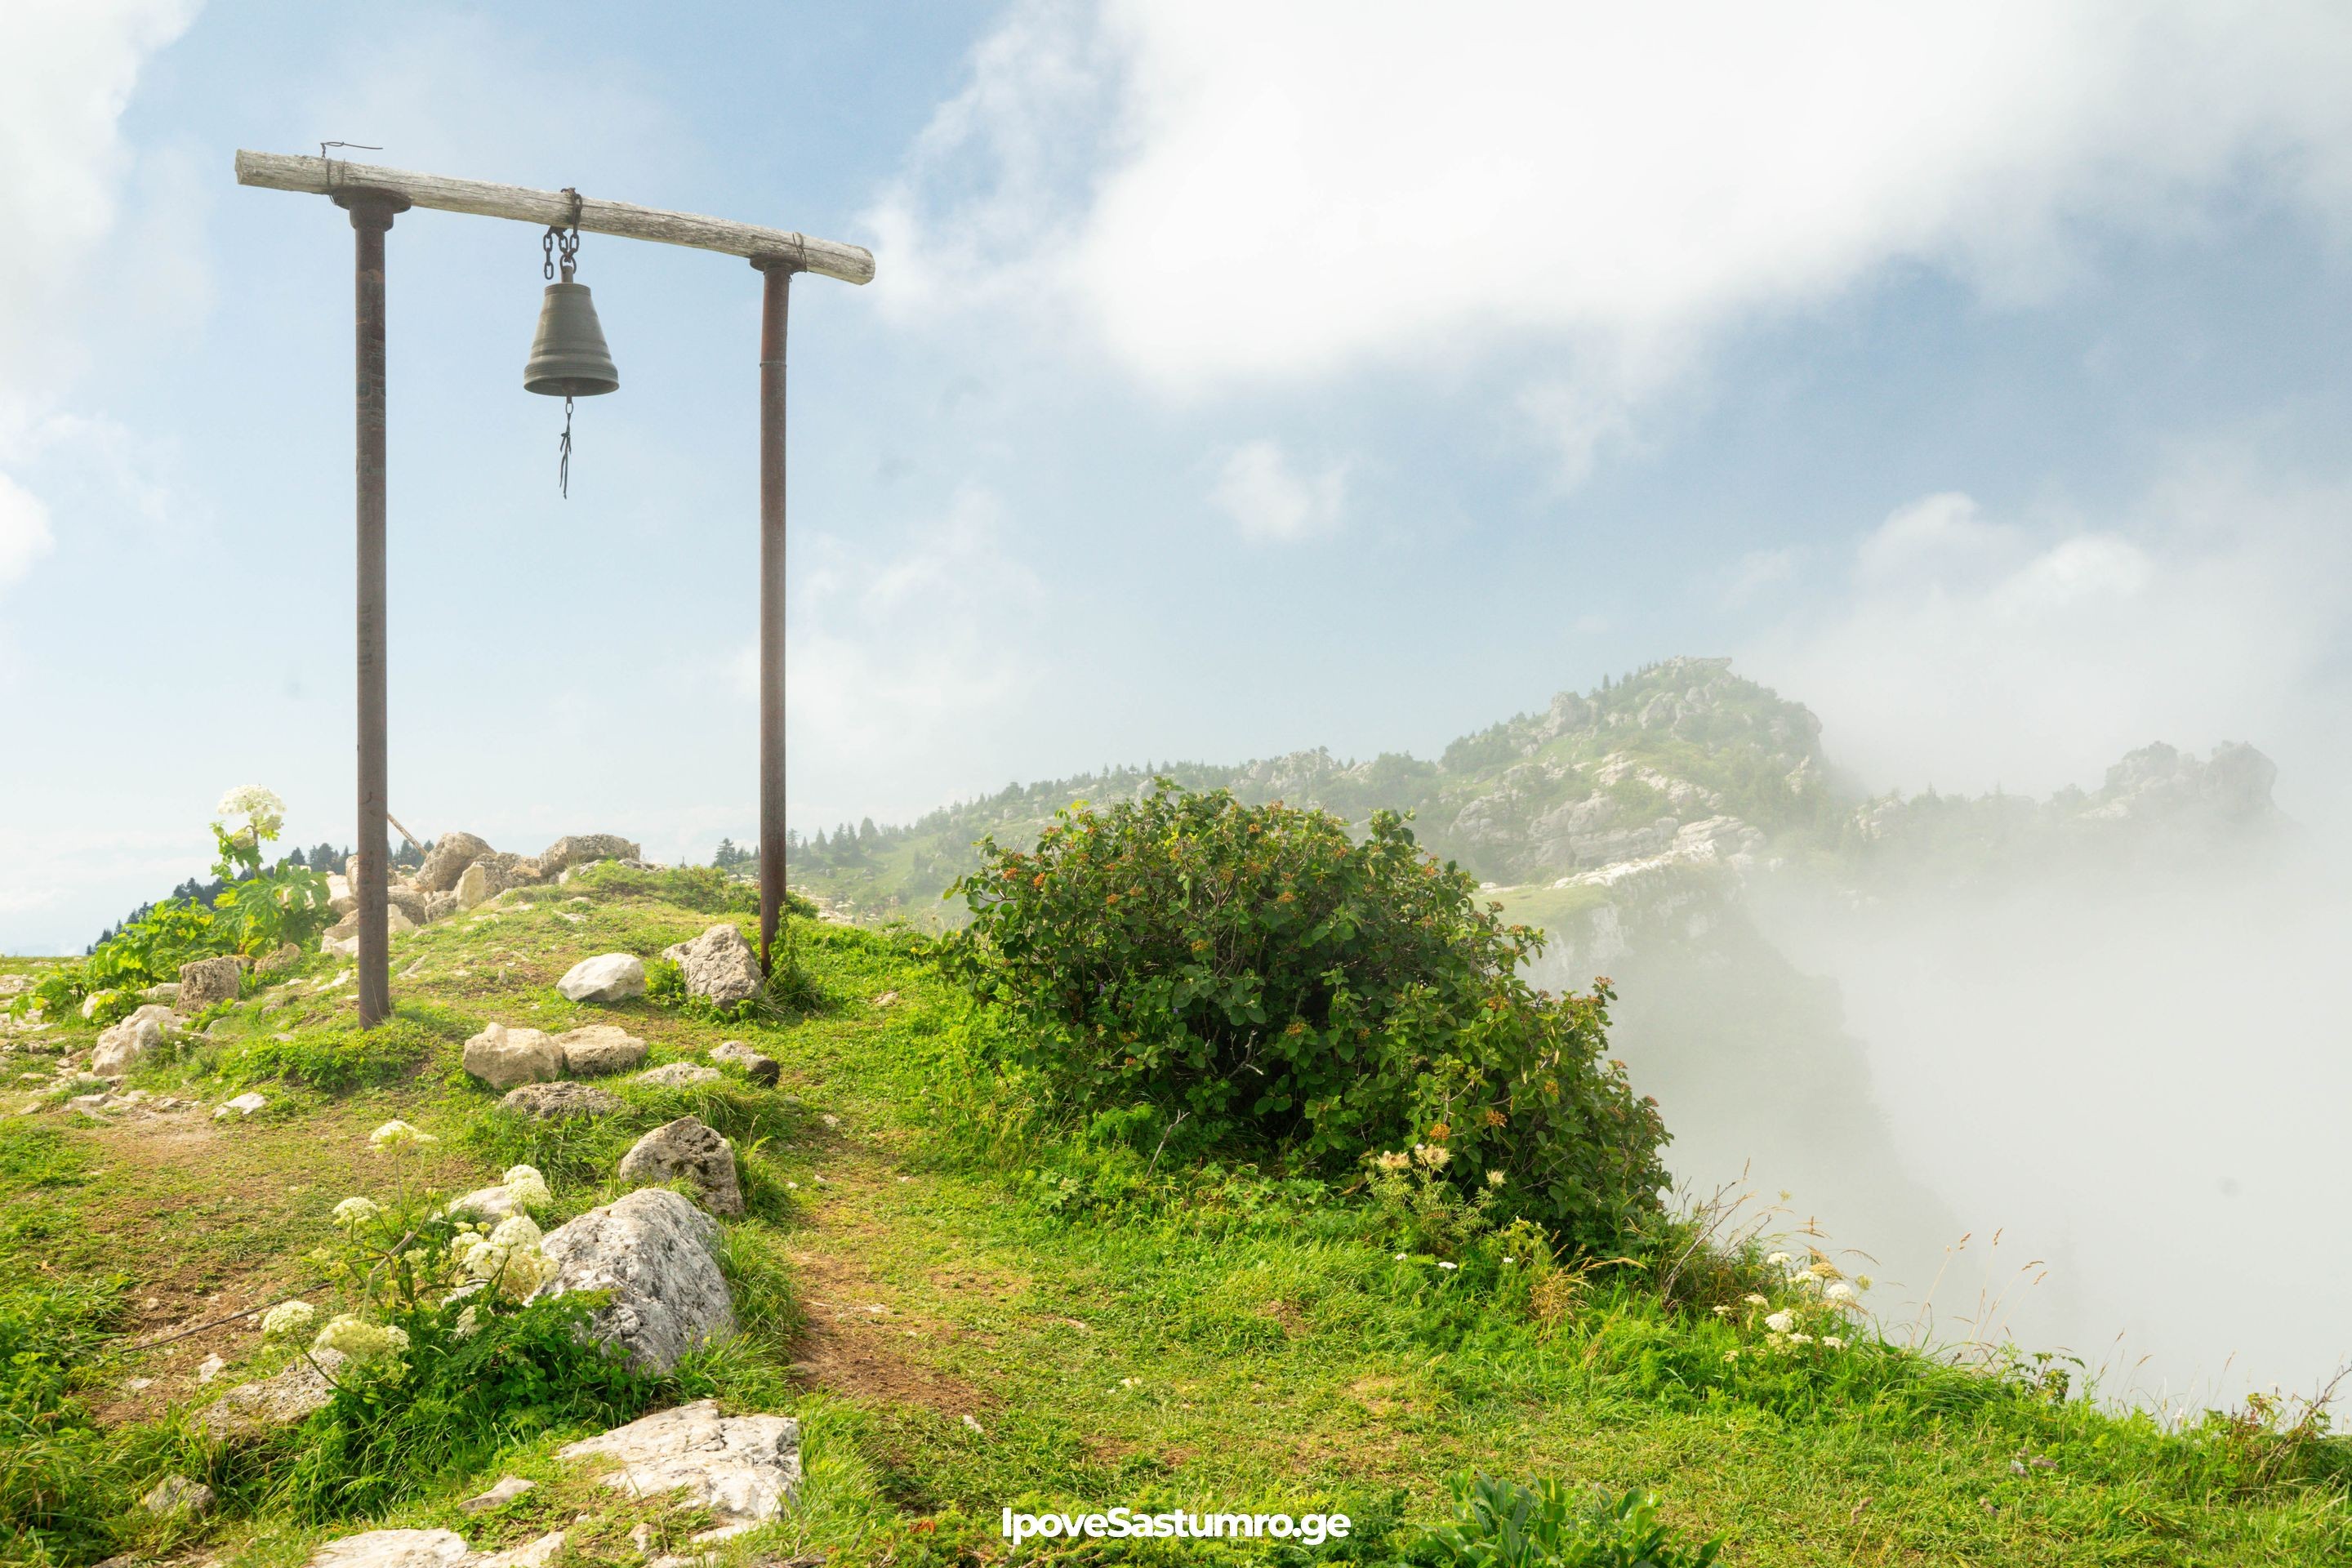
(526, 1186)
(399, 1135)
(1824, 1298)
(287, 1317)
(359, 1340)
(507, 1258)
(263, 813)
(354, 1212)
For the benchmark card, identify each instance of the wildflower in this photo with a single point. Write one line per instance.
(1861, 1281)
(396, 1134)
(1400, 1257)
(354, 1212)
(1720, 1311)
(1495, 1178)
(263, 811)
(359, 1340)
(526, 1186)
(1395, 1162)
(1778, 1261)
(1449, 1266)
(469, 1324)
(1432, 1155)
(1833, 1341)
(1838, 1290)
(1825, 1270)
(287, 1317)
(1801, 1339)
(1510, 1260)
(517, 1230)
(1753, 1300)
(1730, 1356)
(1780, 1322)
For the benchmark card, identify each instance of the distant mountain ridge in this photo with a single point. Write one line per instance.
(1681, 762)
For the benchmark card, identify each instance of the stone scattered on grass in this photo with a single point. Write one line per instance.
(719, 966)
(743, 1469)
(206, 982)
(177, 1494)
(607, 977)
(687, 1147)
(245, 1104)
(757, 1067)
(885, 999)
(562, 1100)
(597, 1049)
(503, 1058)
(679, 1075)
(211, 1367)
(281, 1401)
(654, 1252)
(508, 1489)
(122, 1047)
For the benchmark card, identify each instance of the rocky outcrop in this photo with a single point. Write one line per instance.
(448, 860)
(690, 1149)
(744, 1470)
(206, 982)
(654, 1252)
(608, 977)
(503, 1058)
(430, 1549)
(599, 1049)
(582, 848)
(719, 966)
(561, 1101)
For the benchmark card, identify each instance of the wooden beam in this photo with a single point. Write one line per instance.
(325, 176)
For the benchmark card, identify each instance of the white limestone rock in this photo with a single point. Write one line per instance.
(607, 977)
(599, 1049)
(654, 1251)
(719, 966)
(503, 1058)
(123, 1046)
(687, 1147)
(743, 1469)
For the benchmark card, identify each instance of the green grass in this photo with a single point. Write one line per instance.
(970, 1313)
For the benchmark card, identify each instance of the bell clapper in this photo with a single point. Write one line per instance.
(564, 459)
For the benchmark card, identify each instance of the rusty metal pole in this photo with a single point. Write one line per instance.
(776, 307)
(371, 214)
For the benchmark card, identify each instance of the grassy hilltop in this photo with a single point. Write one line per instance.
(970, 1310)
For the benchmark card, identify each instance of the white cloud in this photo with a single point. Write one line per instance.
(1259, 489)
(894, 661)
(1229, 193)
(1965, 651)
(23, 529)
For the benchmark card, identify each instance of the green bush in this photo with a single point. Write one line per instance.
(1259, 972)
(1504, 1524)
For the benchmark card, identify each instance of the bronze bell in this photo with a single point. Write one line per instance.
(568, 358)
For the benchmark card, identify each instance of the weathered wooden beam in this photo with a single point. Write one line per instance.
(594, 214)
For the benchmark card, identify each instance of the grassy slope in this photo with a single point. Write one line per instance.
(1248, 1346)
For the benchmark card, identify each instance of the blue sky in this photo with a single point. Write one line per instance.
(1237, 379)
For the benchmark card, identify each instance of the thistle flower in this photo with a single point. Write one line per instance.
(1780, 1322)
(1433, 1155)
(287, 1317)
(1495, 1178)
(352, 1213)
(359, 1340)
(526, 1186)
(1394, 1161)
(396, 1134)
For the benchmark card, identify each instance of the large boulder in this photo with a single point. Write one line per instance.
(607, 977)
(503, 1058)
(447, 861)
(581, 848)
(207, 981)
(561, 1101)
(481, 882)
(655, 1253)
(743, 1469)
(122, 1047)
(598, 1049)
(408, 900)
(720, 965)
(687, 1147)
